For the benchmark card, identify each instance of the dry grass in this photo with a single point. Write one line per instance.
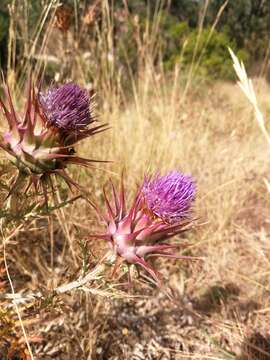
(220, 307)
(218, 141)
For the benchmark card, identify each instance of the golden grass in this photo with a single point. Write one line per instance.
(222, 303)
(213, 136)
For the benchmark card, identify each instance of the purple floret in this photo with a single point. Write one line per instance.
(67, 107)
(170, 197)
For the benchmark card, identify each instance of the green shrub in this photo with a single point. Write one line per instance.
(173, 36)
(211, 58)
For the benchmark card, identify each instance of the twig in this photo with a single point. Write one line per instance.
(93, 275)
(76, 284)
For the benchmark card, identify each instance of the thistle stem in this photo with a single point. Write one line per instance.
(93, 275)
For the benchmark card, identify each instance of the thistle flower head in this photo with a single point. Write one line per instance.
(35, 143)
(67, 107)
(170, 197)
(134, 233)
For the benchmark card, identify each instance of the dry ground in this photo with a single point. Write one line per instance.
(218, 308)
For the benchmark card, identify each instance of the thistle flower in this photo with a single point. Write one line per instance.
(67, 107)
(170, 197)
(160, 210)
(36, 144)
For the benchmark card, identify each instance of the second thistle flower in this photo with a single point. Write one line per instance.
(161, 209)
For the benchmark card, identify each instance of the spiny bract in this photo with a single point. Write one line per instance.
(135, 234)
(35, 143)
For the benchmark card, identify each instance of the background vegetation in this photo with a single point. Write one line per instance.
(183, 26)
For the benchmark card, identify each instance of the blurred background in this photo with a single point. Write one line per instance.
(69, 38)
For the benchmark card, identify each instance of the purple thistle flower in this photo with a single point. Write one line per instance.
(134, 234)
(67, 107)
(35, 141)
(170, 197)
